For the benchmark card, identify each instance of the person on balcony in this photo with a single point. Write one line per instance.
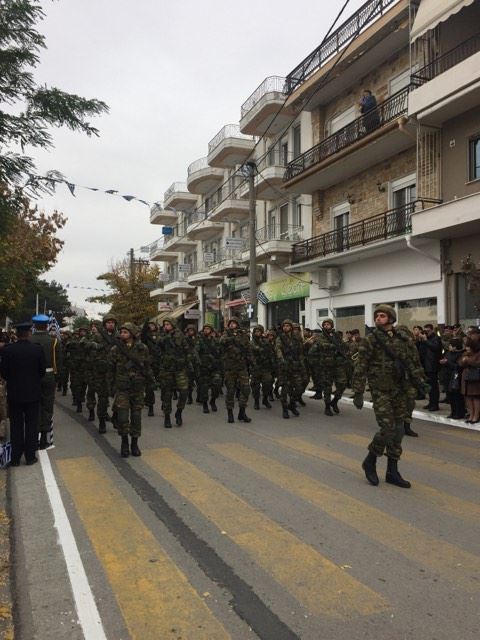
(368, 108)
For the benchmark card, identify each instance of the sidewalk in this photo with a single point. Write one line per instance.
(6, 621)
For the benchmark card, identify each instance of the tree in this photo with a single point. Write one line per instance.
(130, 297)
(28, 247)
(51, 296)
(81, 321)
(28, 110)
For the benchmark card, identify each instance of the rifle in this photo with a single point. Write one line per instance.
(115, 342)
(401, 367)
(334, 343)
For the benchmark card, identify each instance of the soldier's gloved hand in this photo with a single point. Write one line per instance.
(358, 400)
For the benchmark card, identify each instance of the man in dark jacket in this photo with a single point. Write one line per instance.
(431, 364)
(23, 366)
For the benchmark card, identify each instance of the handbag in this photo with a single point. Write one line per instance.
(472, 374)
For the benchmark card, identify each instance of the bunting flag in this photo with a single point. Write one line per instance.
(77, 286)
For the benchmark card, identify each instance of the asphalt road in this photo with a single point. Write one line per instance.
(267, 530)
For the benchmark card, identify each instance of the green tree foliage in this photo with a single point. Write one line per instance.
(129, 299)
(51, 296)
(81, 321)
(27, 109)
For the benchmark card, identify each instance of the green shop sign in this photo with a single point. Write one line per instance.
(287, 288)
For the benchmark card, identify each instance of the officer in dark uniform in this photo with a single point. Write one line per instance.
(53, 356)
(23, 367)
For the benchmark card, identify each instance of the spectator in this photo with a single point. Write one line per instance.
(433, 353)
(23, 367)
(368, 108)
(418, 334)
(4, 339)
(454, 377)
(471, 377)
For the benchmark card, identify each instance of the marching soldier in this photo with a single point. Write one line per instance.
(150, 338)
(263, 362)
(191, 339)
(175, 361)
(332, 353)
(129, 373)
(288, 349)
(63, 373)
(104, 337)
(207, 356)
(384, 359)
(236, 358)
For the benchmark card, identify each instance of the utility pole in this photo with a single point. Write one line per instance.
(250, 170)
(132, 268)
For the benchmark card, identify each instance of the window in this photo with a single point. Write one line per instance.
(297, 213)
(474, 158)
(297, 141)
(347, 318)
(420, 311)
(403, 195)
(399, 82)
(322, 313)
(284, 220)
(340, 222)
(341, 120)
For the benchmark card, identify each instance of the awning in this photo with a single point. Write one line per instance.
(432, 12)
(180, 310)
(235, 303)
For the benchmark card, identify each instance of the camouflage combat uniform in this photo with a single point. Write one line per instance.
(236, 359)
(263, 363)
(174, 364)
(207, 357)
(291, 370)
(334, 366)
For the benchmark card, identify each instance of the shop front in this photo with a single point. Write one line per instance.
(285, 299)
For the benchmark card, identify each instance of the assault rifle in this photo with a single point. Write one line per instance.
(334, 343)
(116, 342)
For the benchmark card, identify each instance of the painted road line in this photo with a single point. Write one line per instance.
(88, 616)
(463, 435)
(464, 509)
(316, 582)
(465, 474)
(461, 449)
(154, 596)
(441, 557)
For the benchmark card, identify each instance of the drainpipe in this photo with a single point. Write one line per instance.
(401, 125)
(411, 246)
(408, 239)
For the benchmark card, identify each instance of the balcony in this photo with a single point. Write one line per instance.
(178, 196)
(202, 178)
(229, 147)
(276, 240)
(375, 136)
(160, 215)
(458, 218)
(231, 207)
(158, 252)
(448, 86)
(263, 111)
(269, 181)
(178, 283)
(202, 275)
(376, 31)
(179, 242)
(382, 232)
(228, 262)
(200, 227)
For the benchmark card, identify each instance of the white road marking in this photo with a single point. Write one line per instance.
(88, 616)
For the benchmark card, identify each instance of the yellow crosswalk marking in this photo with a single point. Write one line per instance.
(465, 474)
(454, 447)
(155, 598)
(442, 557)
(315, 581)
(463, 434)
(469, 511)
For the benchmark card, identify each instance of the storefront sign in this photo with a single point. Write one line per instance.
(184, 268)
(192, 314)
(287, 288)
(234, 243)
(208, 257)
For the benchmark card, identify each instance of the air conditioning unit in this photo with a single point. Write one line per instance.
(329, 278)
(222, 290)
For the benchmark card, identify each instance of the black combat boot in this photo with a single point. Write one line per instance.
(409, 431)
(178, 417)
(266, 403)
(205, 407)
(256, 403)
(230, 416)
(91, 415)
(189, 398)
(43, 444)
(334, 404)
(150, 411)
(393, 476)
(213, 405)
(125, 448)
(293, 408)
(285, 413)
(134, 447)
(369, 465)
(242, 416)
(167, 422)
(328, 410)
(317, 396)
(79, 407)
(102, 426)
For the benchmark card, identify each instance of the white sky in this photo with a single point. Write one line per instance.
(173, 72)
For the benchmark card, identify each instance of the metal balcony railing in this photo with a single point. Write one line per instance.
(155, 246)
(448, 60)
(197, 165)
(228, 131)
(336, 41)
(391, 223)
(269, 85)
(288, 233)
(176, 187)
(196, 217)
(224, 254)
(387, 111)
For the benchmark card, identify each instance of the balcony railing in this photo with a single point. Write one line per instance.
(392, 223)
(288, 233)
(197, 217)
(228, 254)
(228, 131)
(176, 187)
(446, 61)
(348, 31)
(269, 85)
(387, 111)
(198, 165)
(155, 246)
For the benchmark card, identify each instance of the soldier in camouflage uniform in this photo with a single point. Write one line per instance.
(191, 339)
(63, 373)
(384, 358)
(104, 336)
(289, 352)
(90, 348)
(271, 337)
(236, 358)
(263, 362)
(129, 373)
(77, 362)
(175, 362)
(315, 364)
(207, 357)
(150, 338)
(334, 365)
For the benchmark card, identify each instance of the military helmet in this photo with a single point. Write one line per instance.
(133, 329)
(109, 316)
(232, 320)
(288, 321)
(170, 320)
(210, 326)
(328, 320)
(386, 308)
(259, 327)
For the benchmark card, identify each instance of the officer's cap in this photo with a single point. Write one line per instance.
(40, 317)
(23, 326)
(386, 308)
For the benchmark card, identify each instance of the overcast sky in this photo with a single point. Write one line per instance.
(173, 72)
